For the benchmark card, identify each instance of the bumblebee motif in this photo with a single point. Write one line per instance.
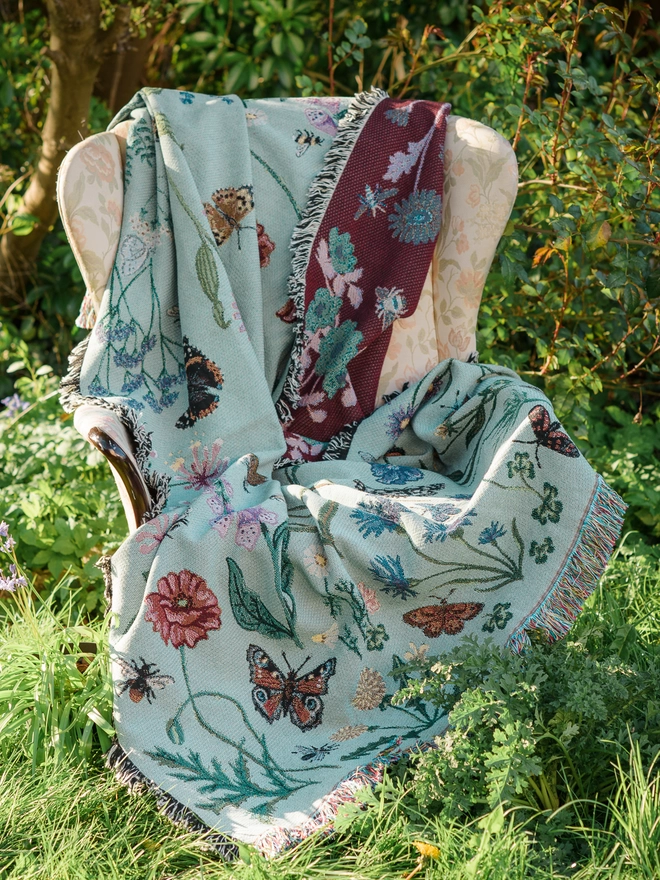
(141, 680)
(306, 139)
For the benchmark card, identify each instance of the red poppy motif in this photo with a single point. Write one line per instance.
(183, 609)
(266, 246)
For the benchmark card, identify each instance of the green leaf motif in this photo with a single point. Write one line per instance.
(175, 731)
(249, 611)
(207, 275)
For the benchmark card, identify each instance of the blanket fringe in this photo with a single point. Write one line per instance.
(318, 199)
(128, 774)
(585, 564)
(71, 398)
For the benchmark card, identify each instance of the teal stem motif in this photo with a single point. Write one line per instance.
(278, 180)
(238, 785)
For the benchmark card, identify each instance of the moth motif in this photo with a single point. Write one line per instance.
(447, 617)
(141, 680)
(230, 207)
(547, 434)
(204, 381)
(276, 694)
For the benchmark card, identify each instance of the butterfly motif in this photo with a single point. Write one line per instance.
(132, 255)
(547, 434)
(253, 478)
(447, 617)
(275, 694)
(321, 119)
(204, 380)
(230, 207)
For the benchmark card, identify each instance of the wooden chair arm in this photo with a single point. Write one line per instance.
(105, 431)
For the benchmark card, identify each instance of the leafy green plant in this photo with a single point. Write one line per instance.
(534, 730)
(56, 491)
(55, 690)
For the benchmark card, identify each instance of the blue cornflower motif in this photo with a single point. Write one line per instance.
(96, 389)
(434, 532)
(14, 405)
(131, 383)
(389, 571)
(395, 475)
(399, 420)
(399, 115)
(492, 533)
(186, 97)
(376, 517)
(153, 403)
(440, 513)
(416, 219)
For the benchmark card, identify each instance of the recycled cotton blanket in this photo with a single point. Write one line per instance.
(304, 544)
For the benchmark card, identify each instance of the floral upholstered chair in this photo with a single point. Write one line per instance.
(480, 187)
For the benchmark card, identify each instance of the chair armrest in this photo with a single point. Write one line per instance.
(105, 431)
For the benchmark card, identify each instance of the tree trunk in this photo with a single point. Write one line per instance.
(77, 48)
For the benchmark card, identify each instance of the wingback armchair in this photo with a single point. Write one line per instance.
(480, 187)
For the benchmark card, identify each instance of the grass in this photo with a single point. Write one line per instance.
(64, 817)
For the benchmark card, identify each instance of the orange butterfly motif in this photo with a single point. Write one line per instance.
(230, 207)
(447, 617)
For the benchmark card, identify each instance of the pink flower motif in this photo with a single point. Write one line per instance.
(98, 160)
(114, 210)
(371, 602)
(462, 243)
(204, 472)
(77, 228)
(150, 537)
(458, 339)
(183, 610)
(248, 525)
(470, 286)
(266, 246)
(474, 196)
(458, 168)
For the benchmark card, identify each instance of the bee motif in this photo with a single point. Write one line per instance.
(306, 139)
(141, 680)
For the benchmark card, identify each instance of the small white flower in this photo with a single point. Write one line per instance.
(315, 561)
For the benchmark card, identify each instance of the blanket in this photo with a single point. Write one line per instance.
(304, 544)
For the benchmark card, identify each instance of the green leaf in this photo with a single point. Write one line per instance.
(23, 224)
(249, 611)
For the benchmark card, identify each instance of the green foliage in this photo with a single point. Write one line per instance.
(544, 727)
(55, 691)
(626, 451)
(57, 493)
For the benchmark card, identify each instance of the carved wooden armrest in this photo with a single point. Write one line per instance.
(105, 431)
